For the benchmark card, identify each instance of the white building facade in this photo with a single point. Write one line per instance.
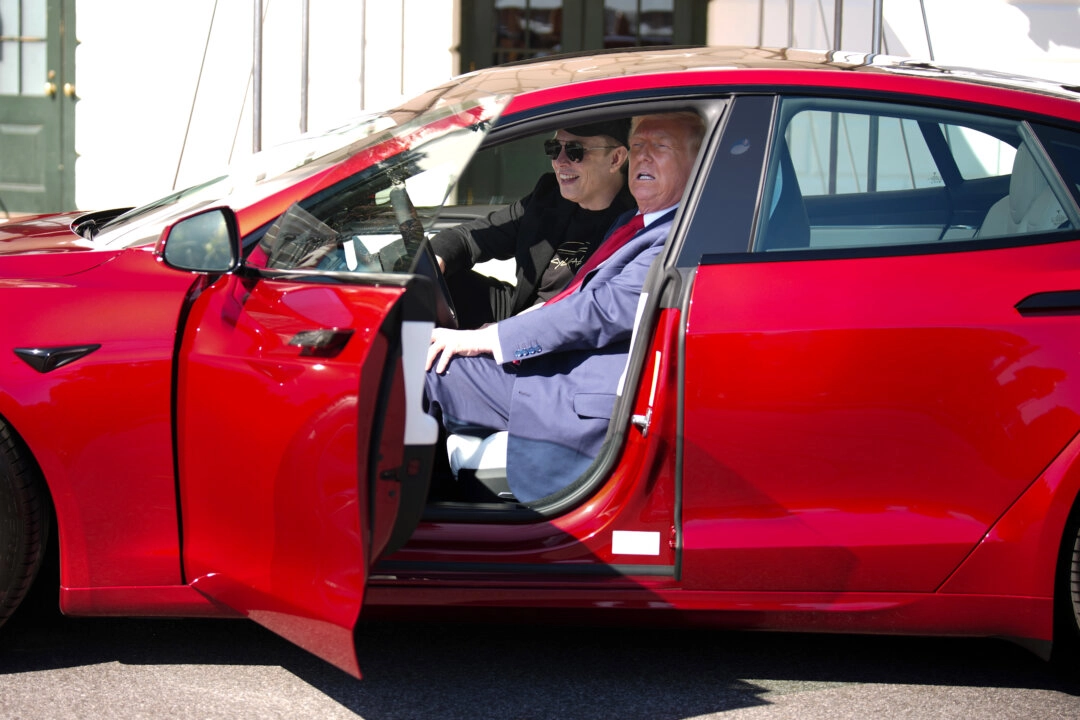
(154, 95)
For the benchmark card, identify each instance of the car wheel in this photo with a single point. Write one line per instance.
(24, 521)
(1066, 652)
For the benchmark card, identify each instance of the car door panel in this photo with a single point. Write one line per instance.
(279, 439)
(858, 424)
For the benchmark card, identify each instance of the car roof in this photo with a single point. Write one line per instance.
(588, 73)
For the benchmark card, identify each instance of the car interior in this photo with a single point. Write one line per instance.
(469, 480)
(472, 470)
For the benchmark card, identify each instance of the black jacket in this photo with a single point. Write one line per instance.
(529, 230)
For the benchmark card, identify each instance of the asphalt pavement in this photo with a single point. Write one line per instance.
(53, 667)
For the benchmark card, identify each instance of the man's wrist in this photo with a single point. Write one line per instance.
(490, 338)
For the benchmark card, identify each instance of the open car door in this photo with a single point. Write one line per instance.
(303, 450)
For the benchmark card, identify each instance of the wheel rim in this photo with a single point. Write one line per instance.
(1074, 580)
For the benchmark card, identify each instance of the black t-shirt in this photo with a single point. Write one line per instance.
(584, 234)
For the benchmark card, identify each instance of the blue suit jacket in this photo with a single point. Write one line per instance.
(571, 355)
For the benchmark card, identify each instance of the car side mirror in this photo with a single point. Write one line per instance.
(208, 242)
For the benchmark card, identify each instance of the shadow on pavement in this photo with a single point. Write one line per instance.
(452, 670)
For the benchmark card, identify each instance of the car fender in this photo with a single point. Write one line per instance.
(99, 427)
(1018, 555)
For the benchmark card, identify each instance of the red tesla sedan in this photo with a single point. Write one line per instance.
(852, 402)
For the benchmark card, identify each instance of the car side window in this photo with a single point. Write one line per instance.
(864, 174)
(500, 174)
(831, 153)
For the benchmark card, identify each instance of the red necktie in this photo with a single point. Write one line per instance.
(613, 242)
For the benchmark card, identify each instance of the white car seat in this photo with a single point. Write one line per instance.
(484, 457)
(1030, 206)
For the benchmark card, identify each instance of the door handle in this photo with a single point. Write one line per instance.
(50, 89)
(324, 343)
(1060, 302)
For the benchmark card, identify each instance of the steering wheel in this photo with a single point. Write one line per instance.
(418, 250)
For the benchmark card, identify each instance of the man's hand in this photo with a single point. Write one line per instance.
(446, 343)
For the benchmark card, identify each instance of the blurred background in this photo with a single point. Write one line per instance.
(110, 104)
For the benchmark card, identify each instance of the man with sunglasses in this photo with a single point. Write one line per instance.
(549, 232)
(550, 376)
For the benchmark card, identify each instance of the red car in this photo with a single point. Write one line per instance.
(852, 404)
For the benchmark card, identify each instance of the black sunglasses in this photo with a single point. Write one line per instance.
(575, 151)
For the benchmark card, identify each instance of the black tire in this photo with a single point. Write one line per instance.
(1066, 652)
(25, 514)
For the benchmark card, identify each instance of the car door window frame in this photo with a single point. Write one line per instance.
(1009, 131)
(724, 205)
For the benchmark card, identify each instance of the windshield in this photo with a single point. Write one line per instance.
(145, 223)
(374, 220)
(405, 140)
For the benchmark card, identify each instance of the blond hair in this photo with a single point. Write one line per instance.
(690, 120)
